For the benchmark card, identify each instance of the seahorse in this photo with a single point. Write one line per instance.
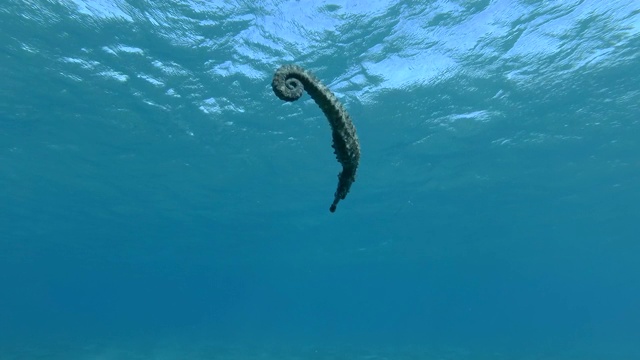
(289, 82)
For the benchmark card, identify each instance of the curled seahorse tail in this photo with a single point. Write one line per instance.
(289, 82)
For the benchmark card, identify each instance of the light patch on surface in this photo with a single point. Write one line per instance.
(534, 138)
(129, 49)
(115, 75)
(154, 104)
(109, 50)
(228, 69)
(210, 106)
(151, 80)
(217, 106)
(101, 9)
(172, 92)
(170, 68)
(595, 58)
(116, 49)
(481, 116)
(28, 48)
(400, 71)
(71, 77)
(85, 64)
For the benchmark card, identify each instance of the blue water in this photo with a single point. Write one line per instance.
(158, 201)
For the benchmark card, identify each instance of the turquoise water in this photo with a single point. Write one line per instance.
(158, 201)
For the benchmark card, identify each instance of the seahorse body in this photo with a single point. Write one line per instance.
(289, 82)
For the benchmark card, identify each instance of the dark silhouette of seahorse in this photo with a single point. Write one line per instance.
(289, 82)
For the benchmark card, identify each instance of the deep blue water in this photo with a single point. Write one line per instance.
(158, 201)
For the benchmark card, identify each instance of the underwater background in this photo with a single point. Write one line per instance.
(158, 201)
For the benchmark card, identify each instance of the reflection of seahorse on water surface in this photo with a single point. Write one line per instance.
(288, 84)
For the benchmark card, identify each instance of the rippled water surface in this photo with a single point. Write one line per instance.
(158, 201)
